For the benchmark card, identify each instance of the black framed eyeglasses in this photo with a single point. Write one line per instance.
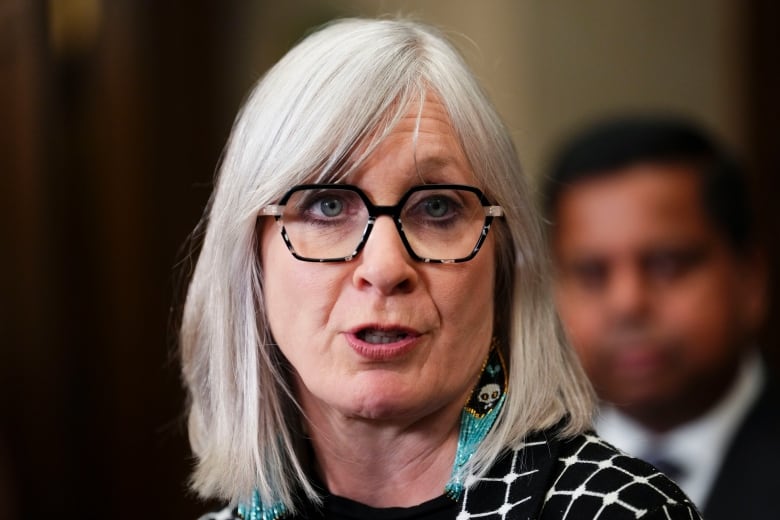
(439, 223)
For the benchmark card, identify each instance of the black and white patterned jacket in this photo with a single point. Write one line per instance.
(575, 479)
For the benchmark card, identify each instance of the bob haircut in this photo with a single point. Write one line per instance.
(315, 117)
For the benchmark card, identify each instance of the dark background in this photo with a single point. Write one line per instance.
(108, 146)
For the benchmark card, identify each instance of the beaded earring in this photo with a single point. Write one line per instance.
(256, 510)
(478, 416)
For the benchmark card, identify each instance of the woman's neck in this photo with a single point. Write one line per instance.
(384, 464)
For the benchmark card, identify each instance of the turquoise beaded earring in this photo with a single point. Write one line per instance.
(478, 416)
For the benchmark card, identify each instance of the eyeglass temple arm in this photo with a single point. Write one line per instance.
(494, 211)
(272, 210)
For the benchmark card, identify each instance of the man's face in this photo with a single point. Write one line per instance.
(655, 301)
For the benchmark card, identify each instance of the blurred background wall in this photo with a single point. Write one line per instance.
(113, 115)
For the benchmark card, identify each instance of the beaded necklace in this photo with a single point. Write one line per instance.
(479, 414)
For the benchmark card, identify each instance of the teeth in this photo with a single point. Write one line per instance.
(382, 336)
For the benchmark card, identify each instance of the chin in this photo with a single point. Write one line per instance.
(388, 406)
(378, 411)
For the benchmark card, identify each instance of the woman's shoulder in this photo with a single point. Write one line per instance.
(591, 478)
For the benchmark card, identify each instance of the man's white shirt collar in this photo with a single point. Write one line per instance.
(698, 446)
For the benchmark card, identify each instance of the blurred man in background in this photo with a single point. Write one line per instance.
(661, 288)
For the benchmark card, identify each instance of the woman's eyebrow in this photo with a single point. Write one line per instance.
(429, 169)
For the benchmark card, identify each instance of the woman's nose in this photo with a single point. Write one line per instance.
(384, 264)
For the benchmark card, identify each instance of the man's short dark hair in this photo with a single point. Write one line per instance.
(614, 144)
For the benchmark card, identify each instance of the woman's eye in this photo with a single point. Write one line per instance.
(437, 206)
(331, 207)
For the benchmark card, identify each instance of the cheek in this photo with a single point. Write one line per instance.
(582, 320)
(290, 288)
(275, 274)
(467, 305)
(586, 343)
(705, 318)
(587, 326)
(465, 297)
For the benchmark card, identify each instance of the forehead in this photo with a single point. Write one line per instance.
(636, 206)
(422, 145)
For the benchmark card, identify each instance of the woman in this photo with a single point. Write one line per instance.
(369, 329)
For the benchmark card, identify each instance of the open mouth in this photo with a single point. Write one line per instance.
(381, 337)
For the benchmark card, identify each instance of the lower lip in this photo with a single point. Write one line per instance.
(382, 351)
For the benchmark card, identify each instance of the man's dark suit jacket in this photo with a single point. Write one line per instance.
(748, 484)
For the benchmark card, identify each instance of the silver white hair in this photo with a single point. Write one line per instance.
(333, 96)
